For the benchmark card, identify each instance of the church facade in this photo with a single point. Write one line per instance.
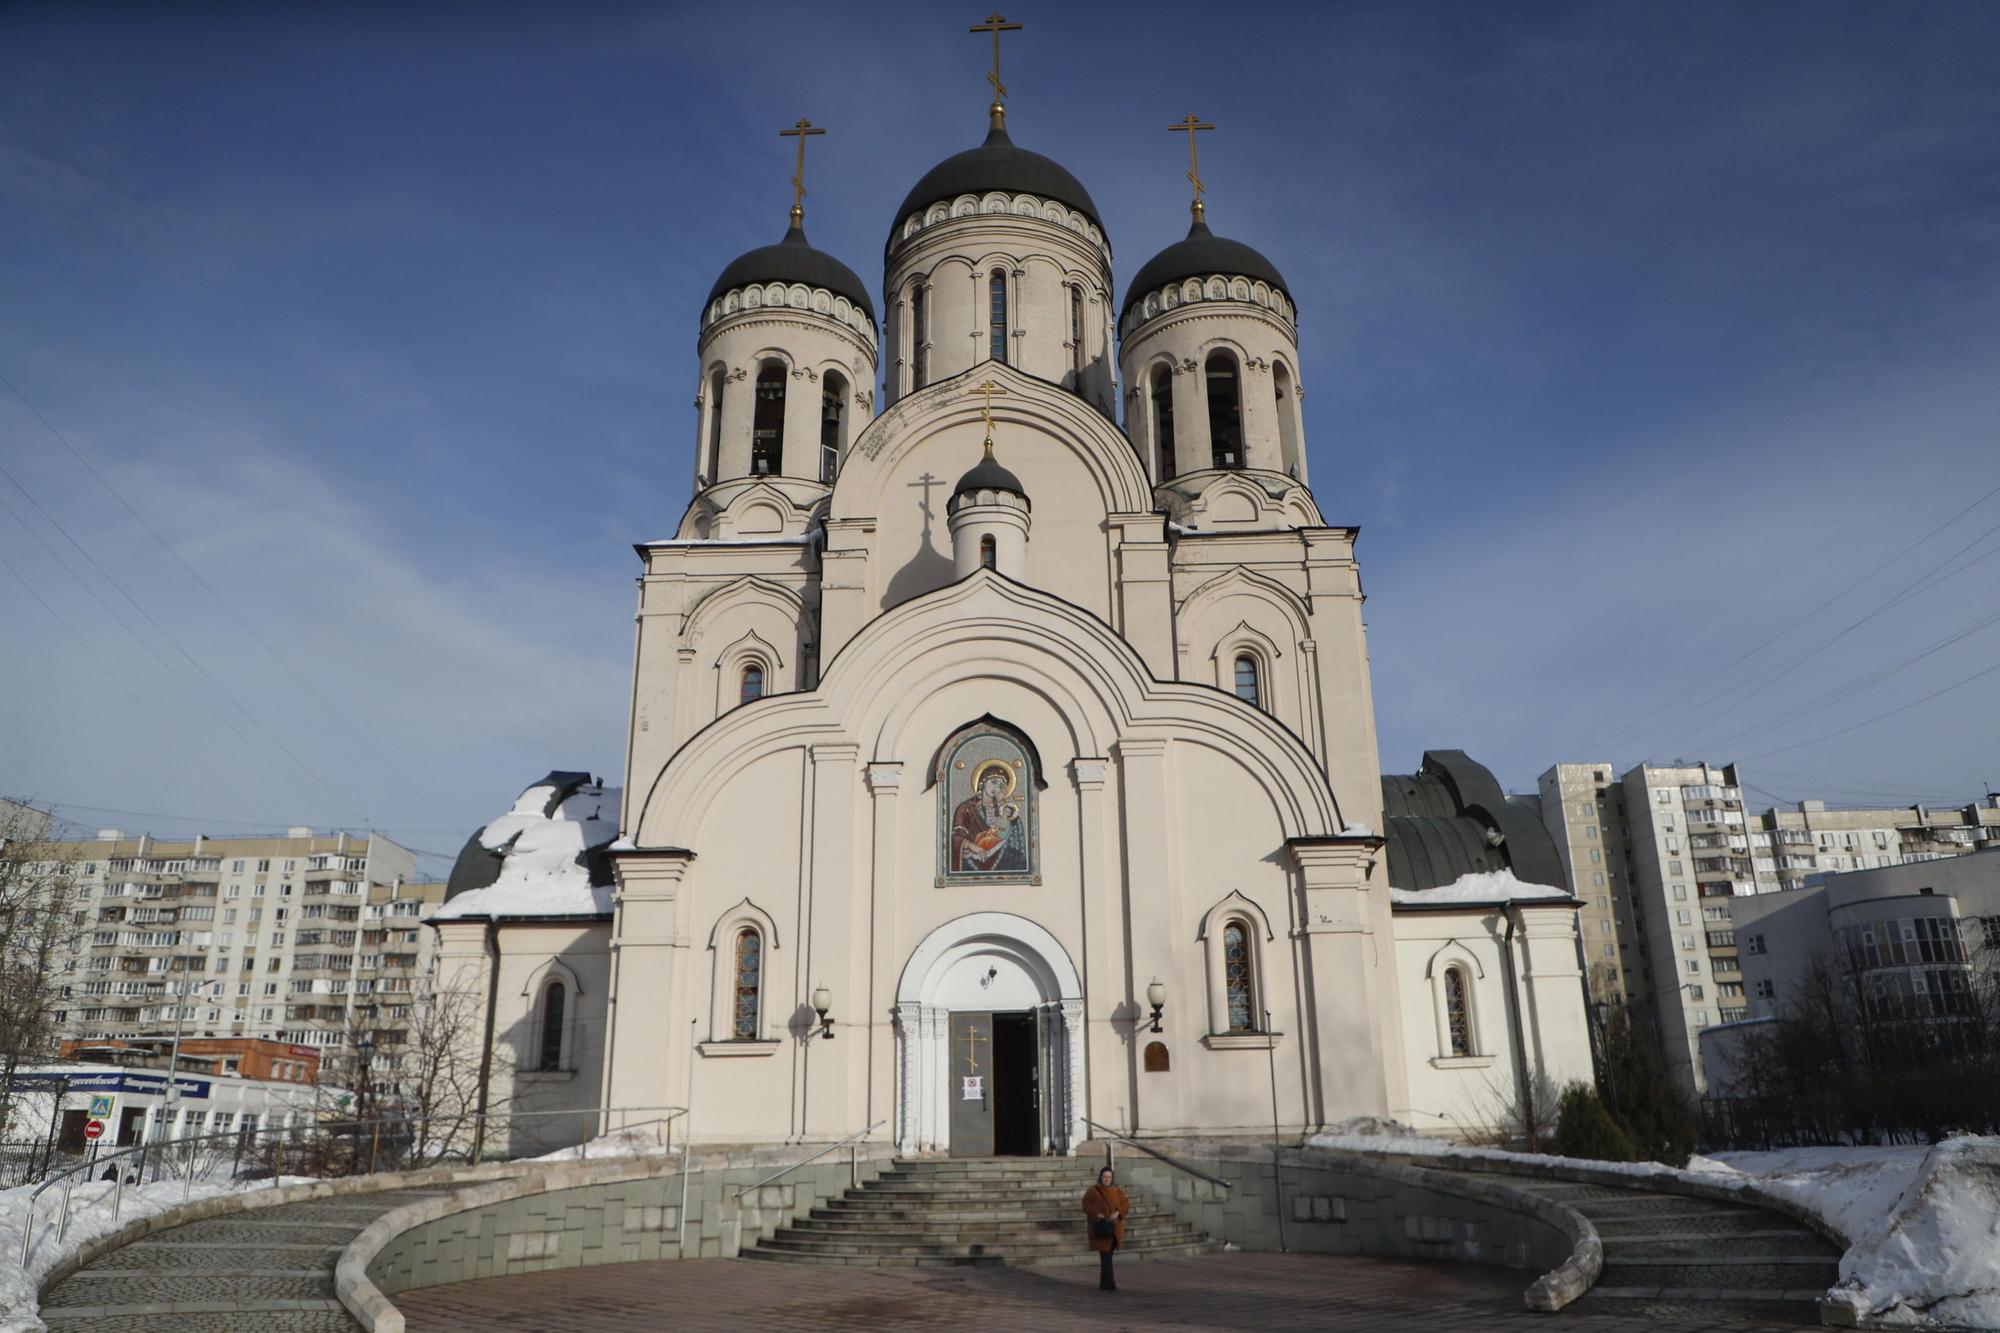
(1002, 763)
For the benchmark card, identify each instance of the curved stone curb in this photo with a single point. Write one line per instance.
(1548, 1293)
(376, 1312)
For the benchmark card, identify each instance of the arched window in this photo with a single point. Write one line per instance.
(1457, 1014)
(749, 982)
(553, 1000)
(1247, 685)
(715, 383)
(1163, 419)
(1288, 416)
(832, 424)
(920, 336)
(988, 554)
(753, 683)
(1076, 335)
(996, 316)
(1225, 411)
(1236, 979)
(767, 431)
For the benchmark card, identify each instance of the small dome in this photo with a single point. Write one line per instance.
(995, 165)
(793, 260)
(1201, 253)
(988, 475)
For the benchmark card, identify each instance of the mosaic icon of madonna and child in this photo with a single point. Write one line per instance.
(988, 787)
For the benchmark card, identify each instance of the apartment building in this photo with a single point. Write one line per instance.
(310, 940)
(1676, 844)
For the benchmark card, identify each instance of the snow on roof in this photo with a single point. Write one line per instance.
(546, 857)
(1481, 888)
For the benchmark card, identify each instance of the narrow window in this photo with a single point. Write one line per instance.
(749, 981)
(1246, 681)
(552, 1026)
(987, 553)
(753, 683)
(715, 383)
(1076, 334)
(1458, 1022)
(1225, 416)
(832, 424)
(920, 336)
(1163, 419)
(1288, 416)
(767, 432)
(996, 317)
(1236, 977)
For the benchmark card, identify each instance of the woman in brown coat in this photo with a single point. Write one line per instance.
(1104, 1209)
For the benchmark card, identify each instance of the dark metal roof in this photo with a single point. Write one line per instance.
(793, 260)
(1450, 819)
(995, 165)
(988, 475)
(1199, 254)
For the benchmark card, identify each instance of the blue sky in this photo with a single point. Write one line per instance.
(1631, 334)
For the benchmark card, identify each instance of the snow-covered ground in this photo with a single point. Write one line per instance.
(1924, 1222)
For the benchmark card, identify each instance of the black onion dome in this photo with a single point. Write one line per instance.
(995, 165)
(1201, 253)
(988, 475)
(793, 260)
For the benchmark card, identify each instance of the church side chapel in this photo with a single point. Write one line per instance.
(1002, 763)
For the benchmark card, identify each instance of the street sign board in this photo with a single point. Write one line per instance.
(100, 1106)
(94, 1130)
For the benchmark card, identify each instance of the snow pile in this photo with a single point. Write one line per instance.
(1924, 1222)
(1481, 888)
(546, 856)
(1367, 1134)
(639, 1141)
(89, 1218)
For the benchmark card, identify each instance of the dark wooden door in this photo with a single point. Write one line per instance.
(971, 1088)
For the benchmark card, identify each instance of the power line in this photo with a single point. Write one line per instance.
(1958, 684)
(224, 603)
(1625, 730)
(106, 669)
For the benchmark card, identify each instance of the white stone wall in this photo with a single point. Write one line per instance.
(738, 339)
(1263, 343)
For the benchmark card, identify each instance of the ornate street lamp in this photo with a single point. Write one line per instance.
(1156, 995)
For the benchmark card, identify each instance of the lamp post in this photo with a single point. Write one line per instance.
(1156, 995)
(171, 1097)
(364, 1050)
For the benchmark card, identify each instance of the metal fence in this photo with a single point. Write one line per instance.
(334, 1148)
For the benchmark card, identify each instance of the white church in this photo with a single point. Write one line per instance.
(1002, 765)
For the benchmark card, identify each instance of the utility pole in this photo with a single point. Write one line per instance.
(1277, 1165)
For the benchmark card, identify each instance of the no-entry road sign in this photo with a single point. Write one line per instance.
(93, 1130)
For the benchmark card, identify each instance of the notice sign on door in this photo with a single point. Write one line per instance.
(974, 1090)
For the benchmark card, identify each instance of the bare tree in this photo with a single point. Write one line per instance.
(438, 1070)
(41, 921)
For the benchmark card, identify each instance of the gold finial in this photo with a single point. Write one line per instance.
(986, 391)
(996, 23)
(1188, 127)
(799, 132)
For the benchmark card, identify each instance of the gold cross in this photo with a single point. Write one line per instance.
(1188, 127)
(799, 132)
(986, 391)
(996, 24)
(971, 1050)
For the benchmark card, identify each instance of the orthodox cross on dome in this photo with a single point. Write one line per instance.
(986, 392)
(996, 23)
(1188, 127)
(799, 132)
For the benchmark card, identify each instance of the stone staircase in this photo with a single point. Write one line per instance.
(979, 1210)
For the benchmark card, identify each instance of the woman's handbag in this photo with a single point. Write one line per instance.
(1104, 1229)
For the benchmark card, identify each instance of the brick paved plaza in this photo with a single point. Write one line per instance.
(1264, 1292)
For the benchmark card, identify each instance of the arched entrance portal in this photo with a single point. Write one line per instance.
(989, 1041)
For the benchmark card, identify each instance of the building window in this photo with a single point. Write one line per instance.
(987, 553)
(715, 382)
(1246, 681)
(1225, 411)
(1457, 1014)
(920, 335)
(1236, 980)
(1163, 419)
(553, 1001)
(832, 424)
(753, 683)
(749, 983)
(996, 316)
(767, 430)
(1288, 417)
(1076, 335)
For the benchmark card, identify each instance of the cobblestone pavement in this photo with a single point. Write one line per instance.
(1265, 1292)
(269, 1270)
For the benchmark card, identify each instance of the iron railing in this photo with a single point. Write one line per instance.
(1150, 1151)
